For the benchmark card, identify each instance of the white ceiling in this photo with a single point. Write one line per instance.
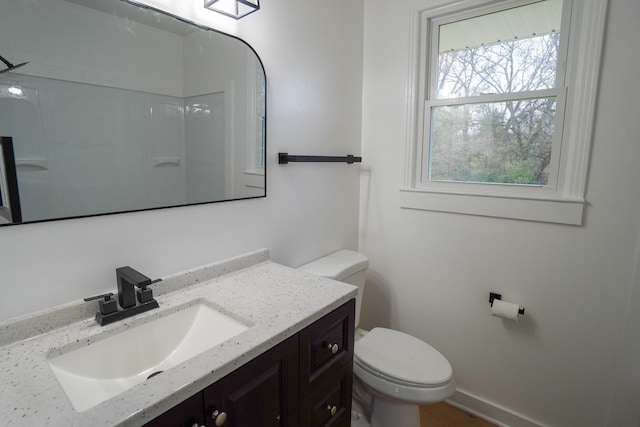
(141, 15)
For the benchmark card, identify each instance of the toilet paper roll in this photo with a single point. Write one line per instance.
(506, 310)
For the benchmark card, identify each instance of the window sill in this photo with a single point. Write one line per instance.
(553, 210)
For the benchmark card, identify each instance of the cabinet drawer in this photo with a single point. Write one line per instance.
(329, 404)
(325, 344)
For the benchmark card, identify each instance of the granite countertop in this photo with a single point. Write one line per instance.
(274, 300)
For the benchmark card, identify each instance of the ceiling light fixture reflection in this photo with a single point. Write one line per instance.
(233, 8)
(15, 91)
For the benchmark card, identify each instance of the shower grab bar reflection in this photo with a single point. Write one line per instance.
(284, 158)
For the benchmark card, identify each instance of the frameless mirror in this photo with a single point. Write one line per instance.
(113, 107)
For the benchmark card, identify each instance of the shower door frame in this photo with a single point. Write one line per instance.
(9, 195)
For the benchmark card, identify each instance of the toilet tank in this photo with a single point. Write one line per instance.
(345, 266)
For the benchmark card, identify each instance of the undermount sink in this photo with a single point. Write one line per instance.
(92, 374)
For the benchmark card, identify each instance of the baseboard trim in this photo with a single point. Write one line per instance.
(490, 411)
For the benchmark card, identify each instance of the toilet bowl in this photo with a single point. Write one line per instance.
(394, 372)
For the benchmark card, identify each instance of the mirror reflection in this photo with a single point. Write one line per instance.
(113, 107)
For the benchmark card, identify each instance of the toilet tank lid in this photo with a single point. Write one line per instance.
(338, 265)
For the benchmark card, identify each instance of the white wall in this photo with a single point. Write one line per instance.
(622, 123)
(55, 36)
(432, 272)
(625, 405)
(314, 99)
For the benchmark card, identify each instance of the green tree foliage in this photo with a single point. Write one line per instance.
(498, 141)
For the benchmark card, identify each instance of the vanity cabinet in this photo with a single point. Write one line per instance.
(187, 414)
(305, 381)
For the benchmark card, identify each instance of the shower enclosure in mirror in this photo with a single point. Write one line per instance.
(121, 108)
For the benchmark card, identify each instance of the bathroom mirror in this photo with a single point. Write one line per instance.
(122, 108)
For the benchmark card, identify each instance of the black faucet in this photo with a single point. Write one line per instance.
(128, 279)
(132, 301)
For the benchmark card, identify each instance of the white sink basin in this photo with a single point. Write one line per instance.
(92, 374)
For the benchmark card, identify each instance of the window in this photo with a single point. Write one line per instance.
(503, 108)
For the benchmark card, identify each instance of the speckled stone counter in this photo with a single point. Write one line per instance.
(276, 301)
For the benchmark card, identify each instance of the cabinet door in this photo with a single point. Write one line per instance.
(185, 414)
(263, 393)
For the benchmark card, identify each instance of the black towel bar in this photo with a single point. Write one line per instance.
(284, 158)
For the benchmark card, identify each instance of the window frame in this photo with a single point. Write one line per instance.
(562, 199)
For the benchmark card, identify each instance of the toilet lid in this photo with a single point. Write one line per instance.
(403, 357)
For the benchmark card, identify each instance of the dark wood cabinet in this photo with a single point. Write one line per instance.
(305, 381)
(186, 414)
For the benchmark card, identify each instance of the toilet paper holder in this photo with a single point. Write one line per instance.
(494, 296)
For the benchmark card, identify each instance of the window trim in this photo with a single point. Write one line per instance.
(562, 204)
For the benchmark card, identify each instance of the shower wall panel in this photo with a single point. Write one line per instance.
(98, 148)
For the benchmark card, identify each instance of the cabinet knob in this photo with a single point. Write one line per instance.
(332, 409)
(333, 348)
(219, 417)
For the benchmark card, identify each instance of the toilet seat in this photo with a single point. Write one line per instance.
(402, 359)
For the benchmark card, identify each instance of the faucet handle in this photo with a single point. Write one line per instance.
(106, 304)
(105, 296)
(143, 286)
(146, 295)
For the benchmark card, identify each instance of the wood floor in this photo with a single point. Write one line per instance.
(445, 415)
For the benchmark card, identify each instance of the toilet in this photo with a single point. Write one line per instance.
(394, 372)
